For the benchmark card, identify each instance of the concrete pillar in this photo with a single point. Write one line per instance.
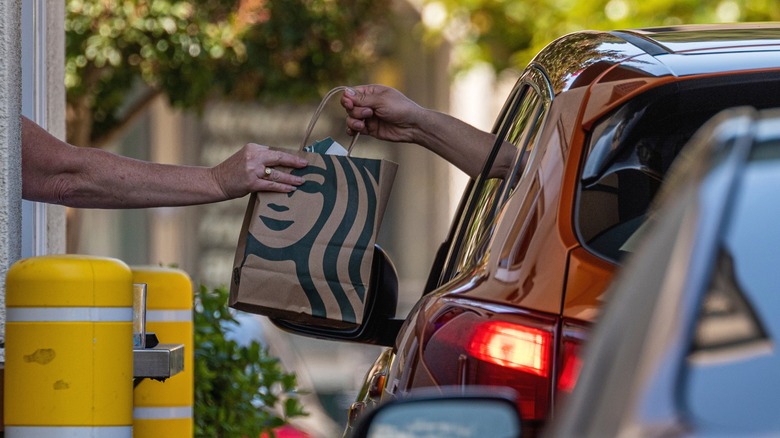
(10, 139)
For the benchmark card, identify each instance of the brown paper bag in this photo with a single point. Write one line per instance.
(308, 254)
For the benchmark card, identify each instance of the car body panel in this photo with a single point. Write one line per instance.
(588, 277)
(720, 63)
(574, 60)
(613, 90)
(535, 267)
(690, 38)
(644, 374)
(538, 283)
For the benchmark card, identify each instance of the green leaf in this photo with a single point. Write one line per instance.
(191, 51)
(238, 389)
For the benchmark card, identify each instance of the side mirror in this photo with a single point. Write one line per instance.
(379, 325)
(460, 412)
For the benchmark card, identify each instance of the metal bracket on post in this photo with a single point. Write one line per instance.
(159, 362)
(150, 359)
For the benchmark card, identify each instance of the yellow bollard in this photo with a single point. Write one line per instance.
(164, 409)
(68, 348)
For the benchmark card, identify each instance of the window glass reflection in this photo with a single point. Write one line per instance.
(732, 372)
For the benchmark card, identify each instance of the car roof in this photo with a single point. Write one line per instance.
(723, 38)
(579, 58)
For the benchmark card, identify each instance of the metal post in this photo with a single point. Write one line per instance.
(165, 408)
(69, 357)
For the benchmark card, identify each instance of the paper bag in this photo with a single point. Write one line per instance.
(306, 256)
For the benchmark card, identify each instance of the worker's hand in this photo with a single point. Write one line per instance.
(251, 169)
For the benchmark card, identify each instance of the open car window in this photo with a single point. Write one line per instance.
(516, 129)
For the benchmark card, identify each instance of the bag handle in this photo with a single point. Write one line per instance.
(316, 116)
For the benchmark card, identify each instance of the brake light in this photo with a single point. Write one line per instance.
(572, 362)
(574, 335)
(513, 346)
(467, 348)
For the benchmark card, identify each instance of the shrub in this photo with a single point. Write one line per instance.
(240, 390)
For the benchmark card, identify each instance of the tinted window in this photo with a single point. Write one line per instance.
(631, 149)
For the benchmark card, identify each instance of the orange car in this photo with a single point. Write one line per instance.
(595, 120)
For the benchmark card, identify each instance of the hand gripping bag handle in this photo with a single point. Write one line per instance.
(316, 116)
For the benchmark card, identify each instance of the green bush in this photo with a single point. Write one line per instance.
(240, 391)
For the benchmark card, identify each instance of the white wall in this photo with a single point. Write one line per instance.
(37, 55)
(10, 138)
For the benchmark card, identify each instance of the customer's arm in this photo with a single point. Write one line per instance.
(387, 114)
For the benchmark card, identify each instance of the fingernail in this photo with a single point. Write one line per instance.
(303, 162)
(367, 112)
(350, 92)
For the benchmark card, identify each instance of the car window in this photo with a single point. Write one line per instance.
(732, 378)
(517, 128)
(631, 149)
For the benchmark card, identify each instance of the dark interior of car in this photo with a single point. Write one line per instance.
(631, 149)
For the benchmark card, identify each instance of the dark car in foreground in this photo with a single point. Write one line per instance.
(687, 345)
(594, 123)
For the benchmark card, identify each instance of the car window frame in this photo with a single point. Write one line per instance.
(533, 81)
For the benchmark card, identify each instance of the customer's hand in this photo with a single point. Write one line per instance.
(387, 114)
(382, 112)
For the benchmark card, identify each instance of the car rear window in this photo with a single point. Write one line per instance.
(631, 149)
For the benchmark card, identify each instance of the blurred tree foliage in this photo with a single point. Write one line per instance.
(120, 54)
(508, 33)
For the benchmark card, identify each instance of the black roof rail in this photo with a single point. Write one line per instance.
(652, 48)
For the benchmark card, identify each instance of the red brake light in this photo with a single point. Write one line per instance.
(572, 362)
(474, 349)
(523, 352)
(513, 346)
(574, 335)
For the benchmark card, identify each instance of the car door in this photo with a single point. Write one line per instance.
(517, 127)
